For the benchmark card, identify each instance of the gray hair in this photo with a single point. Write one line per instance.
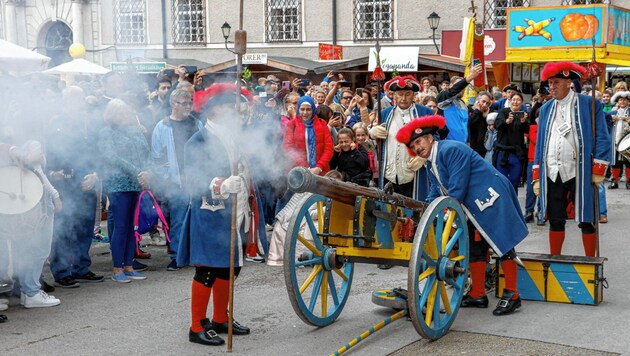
(178, 94)
(484, 93)
(118, 113)
(183, 84)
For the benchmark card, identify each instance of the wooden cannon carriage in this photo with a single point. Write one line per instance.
(339, 224)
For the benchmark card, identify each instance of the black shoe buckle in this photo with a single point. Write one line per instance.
(211, 334)
(503, 303)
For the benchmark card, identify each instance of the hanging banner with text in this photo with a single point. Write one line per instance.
(330, 52)
(401, 59)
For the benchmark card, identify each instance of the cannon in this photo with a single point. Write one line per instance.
(338, 224)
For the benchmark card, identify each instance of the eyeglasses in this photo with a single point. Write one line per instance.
(346, 97)
(184, 103)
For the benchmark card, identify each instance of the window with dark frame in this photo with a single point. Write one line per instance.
(496, 11)
(583, 2)
(373, 19)
(129, 18)
(283, 21)
(189, 27)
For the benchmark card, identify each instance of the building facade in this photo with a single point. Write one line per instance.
(114, 30)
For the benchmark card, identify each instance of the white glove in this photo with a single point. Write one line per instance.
(416, 163)
(232, 185)
(378, 131)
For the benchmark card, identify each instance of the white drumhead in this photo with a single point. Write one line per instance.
(624, 144)
(20, 190)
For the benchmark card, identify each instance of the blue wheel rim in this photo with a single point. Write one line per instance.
(308, 303)
(428, 290)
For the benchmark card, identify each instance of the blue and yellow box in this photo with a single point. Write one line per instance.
(558, 278)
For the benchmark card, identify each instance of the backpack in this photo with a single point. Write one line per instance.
(146, 216)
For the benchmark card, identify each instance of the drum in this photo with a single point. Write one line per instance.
(624, 147)
(22, 209)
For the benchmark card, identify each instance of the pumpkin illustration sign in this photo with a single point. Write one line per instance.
(575, 27)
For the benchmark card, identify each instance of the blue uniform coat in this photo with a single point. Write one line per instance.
(488, 197)
(587, 150)
(205, 237)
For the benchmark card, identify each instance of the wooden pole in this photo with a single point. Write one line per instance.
(595, 187)
(239, 73)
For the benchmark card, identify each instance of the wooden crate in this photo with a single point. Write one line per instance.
(558, 278)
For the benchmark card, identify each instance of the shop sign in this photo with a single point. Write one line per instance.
(619, 27)
(139, 67)
(401, 59)
(330, 52)
(255, 58)
(549, 27)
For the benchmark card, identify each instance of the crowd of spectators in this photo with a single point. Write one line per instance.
(106, 140)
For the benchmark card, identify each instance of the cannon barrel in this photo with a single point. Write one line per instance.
(301, 180)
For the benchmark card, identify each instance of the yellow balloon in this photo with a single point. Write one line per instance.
(77, 50)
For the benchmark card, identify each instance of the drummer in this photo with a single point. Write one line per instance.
(488, 198)
(570, 156)
(621, 119)
(30, 252)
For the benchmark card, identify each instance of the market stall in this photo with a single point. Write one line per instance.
(537, 35)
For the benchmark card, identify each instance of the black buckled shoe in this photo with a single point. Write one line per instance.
(507, 305)
(205, 338)
(222, 328)
(613, 185)
(470, 302)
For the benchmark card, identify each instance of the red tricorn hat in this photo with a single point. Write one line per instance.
(563, 70)
(420, 126)
(407, 82)
(219, 93)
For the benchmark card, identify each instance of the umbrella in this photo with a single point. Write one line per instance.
(78, 66)
(14, 58)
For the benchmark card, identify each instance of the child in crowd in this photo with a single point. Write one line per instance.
(351, 159)
(362, 138)
(491, 136)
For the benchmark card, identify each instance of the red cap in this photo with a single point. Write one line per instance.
(563, 70)
(407, 82)
(420, 126)
(203, 97)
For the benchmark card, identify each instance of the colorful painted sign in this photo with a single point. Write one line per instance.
(618, 26)
(568, 26)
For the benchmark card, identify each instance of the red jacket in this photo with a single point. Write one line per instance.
(531, 147)
(295, 143)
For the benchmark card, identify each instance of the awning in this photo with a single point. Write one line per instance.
(172, 63)
(303, 66)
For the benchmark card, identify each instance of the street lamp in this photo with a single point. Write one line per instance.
(434, 22)
(226, 28)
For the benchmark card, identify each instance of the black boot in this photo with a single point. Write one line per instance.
(205, 338)
(613, 185)
(529, 216)
(222, 328)
(470, 302)
(507, 305)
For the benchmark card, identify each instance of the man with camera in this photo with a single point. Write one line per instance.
(571, 156)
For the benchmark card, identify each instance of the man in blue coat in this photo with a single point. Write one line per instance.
(209, 156)
(488, 198)
(571, 155)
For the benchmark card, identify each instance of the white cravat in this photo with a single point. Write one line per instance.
(397, 160)
(561, 150)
